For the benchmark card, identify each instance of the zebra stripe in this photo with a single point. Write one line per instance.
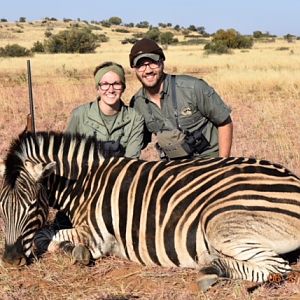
(228, 217)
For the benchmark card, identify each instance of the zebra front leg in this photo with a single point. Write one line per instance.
(73, 241)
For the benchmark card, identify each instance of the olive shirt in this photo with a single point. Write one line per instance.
(197, 104)
(127, 127)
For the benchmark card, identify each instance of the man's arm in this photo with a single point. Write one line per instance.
(225, 131)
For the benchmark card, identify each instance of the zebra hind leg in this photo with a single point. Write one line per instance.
(259, 265)
(208, 276)
(262, 266)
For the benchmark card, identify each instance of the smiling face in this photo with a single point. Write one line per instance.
(150, 73)
(110, 90)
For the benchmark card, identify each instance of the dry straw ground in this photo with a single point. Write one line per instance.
(262, 86)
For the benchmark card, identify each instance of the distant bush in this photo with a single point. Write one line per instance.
(217, 47)
(194, 41)
(14, 50)
(22, 19)
(129, 25)
(143, 24)
(223, 41)
(102, 38)
(153, 34)
(167, 38)
(94, 27)
(72, 41)
(3, 20)
(106, 23)
(138, 35)
(47, 33)
(38, 47)
(282, 48)
(122, 30)
(115, 20)
(129, 41)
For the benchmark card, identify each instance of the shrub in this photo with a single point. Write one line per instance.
(233, 39)
(122, 30)
(167, 38)
(72, 41)
(14, 50)
(153, 34)
(105, 24)
(143, 24)
(129, 41)
(38, 47)
(282, 48)
(3, 20)
(217, 47)
(138, 35)
(102, 38)
(129, 25)
(47, 33)
(115, 20)
(194, 41)
(223, 41)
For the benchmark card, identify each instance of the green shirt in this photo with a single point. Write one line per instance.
(127, 127)
(197, 104)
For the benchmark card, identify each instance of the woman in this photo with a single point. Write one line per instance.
(107, 118)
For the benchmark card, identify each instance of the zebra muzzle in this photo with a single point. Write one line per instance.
(14, 255)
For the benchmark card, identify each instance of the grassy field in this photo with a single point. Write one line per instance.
(261, 85)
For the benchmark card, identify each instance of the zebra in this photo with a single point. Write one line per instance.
(227, 217)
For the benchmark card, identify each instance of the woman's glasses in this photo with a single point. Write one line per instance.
(104, 86)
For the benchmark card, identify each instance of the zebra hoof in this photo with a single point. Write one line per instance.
(206, 281)
(81, 255)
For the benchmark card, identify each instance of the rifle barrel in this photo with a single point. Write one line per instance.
(31, 104)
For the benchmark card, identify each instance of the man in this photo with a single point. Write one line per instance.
(183, 111)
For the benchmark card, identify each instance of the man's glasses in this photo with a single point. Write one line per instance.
(104, 86)
(152, 65)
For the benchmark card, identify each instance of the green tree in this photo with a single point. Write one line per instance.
(257, 34)
(22, 19)
(167, 38)
(192, 28)
(153, 34)
(38, 47)
(115, 20)
(233, 39)
(143, 24)
(72, 41)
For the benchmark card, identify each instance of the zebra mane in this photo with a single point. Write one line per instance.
(27, 143)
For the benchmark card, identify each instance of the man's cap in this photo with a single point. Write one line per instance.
(145, 48)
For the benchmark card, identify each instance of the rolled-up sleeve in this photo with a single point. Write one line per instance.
(135, 140)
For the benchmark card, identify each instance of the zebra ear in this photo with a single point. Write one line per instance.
(39, 171)
(2, 167)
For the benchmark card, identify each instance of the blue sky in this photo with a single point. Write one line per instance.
(273, 16)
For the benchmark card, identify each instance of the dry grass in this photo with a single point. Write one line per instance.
(261, 85)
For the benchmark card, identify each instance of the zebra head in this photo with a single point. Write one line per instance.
(23, 207)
